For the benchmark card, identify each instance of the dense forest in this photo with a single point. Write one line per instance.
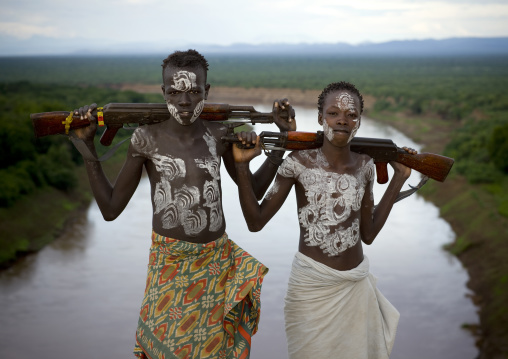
(466, 94)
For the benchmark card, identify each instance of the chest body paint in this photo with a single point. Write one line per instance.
(331, 199)
(180, 206)
(211, 189)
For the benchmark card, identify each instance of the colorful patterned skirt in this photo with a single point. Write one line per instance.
(201, 300)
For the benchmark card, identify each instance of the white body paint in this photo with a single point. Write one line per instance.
(345, 102)
(355, 129)
(211, 188)
(274, 189)
(174, 112)
(328, 131)
(185, 81)
(331, 197)
(181, 206)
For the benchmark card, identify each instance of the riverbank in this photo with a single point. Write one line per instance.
(481, 233)
(38, 219)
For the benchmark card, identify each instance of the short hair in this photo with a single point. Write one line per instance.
(189, 58)
(337, 86)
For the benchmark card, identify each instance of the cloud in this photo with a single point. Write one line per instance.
(224, 22)
(26, 31)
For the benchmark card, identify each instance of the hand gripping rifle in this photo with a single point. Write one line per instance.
(381, 150)
(120, 115)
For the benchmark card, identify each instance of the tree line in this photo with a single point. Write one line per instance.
(28, 163)
(471, 92)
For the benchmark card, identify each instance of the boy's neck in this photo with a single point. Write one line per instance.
(176, 129)
(335, 155)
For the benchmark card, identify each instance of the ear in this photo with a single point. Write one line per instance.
(163, 88)
(320, 118)
(207, 88)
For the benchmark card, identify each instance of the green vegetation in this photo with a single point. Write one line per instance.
(456, 106)
(450, 87)
(41, 176)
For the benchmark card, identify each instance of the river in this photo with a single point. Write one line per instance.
(80, 296)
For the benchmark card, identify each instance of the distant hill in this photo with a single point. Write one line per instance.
(453, 46)
(40, 45)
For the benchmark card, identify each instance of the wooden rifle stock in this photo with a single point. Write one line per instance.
(118, 115)
(382, 151)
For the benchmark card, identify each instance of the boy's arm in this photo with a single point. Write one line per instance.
(263, 177)
(111, 198)
(374, 217)
(257, 215)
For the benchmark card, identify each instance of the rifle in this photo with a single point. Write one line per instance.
(381, 150)
(120, 115)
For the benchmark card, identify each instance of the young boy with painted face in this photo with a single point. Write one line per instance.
(332, 307)
(202, 290)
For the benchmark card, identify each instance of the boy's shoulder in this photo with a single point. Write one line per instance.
(303, 155)
(216, 128)
(299, 161)
(363, 159)
(365, 166)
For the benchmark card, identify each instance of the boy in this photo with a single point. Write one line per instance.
(202, 290)
(332, 307)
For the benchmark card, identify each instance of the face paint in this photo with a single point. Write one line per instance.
(184, 81)
(346, 102)
(327, 130)
(355, 129)
(174, 112)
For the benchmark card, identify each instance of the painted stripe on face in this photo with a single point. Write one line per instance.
(346, 102)
(184, 81)
(355, 129)
(197, 111)
(327, 130)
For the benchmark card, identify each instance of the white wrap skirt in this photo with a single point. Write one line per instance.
(337, 314)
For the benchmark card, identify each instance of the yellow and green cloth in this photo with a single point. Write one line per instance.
(201, 300)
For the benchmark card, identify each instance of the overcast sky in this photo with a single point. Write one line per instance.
(225, 22)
